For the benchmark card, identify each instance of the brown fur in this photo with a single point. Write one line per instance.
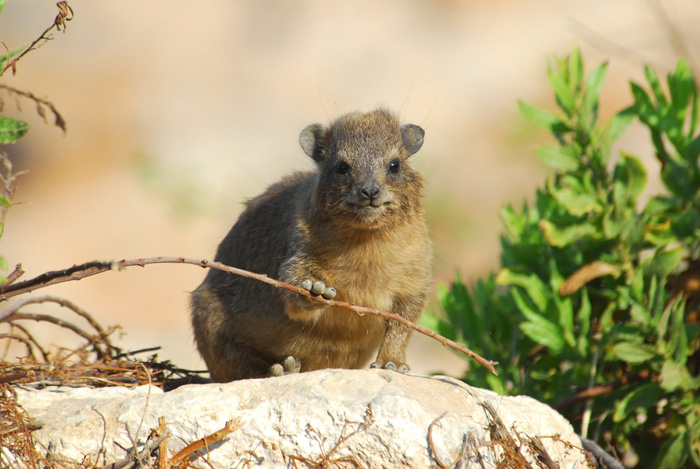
(355, 224)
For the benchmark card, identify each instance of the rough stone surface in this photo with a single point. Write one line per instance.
(301, 415)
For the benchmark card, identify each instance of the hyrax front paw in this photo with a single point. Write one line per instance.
(401, 367)
(289, 366)
(319, 288)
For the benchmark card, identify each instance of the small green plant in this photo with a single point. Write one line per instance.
(595, 309)
(12, 130)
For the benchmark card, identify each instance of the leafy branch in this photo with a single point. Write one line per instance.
(596, 307)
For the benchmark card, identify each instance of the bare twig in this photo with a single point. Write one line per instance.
(89, 269)
(8, 313)
(326, 460)
(148, 401)
(163, 458)
(54, 320)
(65, 13)
(99, 342)
(148, 448)
(440, 464)
(588, 410)
(28, 335)
(9, 182)
(24, 340)
(231, 426)
(14, 275)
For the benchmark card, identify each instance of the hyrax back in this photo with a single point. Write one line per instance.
(354, 226)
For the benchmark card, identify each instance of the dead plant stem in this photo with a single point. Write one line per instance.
(89, 269)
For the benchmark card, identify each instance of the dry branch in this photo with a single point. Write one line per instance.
(15, 274)
(59, 121)
(89, 269)
(10, 313)
(431, 445)
(135, 455)
(231, 426)
(98, 340)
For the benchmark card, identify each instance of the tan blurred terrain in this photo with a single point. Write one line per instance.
(178, 111)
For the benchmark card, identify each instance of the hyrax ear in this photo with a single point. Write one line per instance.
(311, 140)
(412, 136)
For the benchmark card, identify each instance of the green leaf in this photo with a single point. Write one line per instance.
(575, 67)
(577, 203)
(680, 180)
(560, 237)
(619, 123)
(3, 263)
(629, 181)
(692, 150)
(437, 324)
(541, 117)
(589, 101)
(5, 202)
(674, 376)
(640, 313)
(686, 224)
(561, 89)
(681, 86)
(643, 397)
(633, 353)
(674, 451)
(12, 130)
(513, 223)
(694, 111)
(644, 107)
(10, 54)
(531, 283)
(537, 327)
(614, 226)
(557, 158)
(653, 80)
(544, 333)
(677, 346)
(659, 234)
(584, 322)
(496, 384)
(2, 5)
(664, 262)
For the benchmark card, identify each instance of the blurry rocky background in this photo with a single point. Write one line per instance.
(177, 111)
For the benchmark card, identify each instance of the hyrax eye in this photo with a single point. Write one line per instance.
(394, 166)
(342, 167)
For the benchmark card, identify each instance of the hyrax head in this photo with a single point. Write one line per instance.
(364, 178)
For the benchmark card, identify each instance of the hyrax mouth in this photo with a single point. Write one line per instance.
(369, 210)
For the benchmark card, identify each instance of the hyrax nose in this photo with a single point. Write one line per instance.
(370, 191)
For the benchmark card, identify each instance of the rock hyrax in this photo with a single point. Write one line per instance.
(353, 229)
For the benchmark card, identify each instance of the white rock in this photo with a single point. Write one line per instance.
(299, 415)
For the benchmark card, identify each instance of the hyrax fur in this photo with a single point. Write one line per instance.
(353, 229)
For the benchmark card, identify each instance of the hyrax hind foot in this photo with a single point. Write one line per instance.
(401, 367)
(289, 366)
(319, 288)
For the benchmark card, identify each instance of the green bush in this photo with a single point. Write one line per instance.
(595, 309)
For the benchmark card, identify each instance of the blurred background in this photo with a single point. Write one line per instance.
(177, 111)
